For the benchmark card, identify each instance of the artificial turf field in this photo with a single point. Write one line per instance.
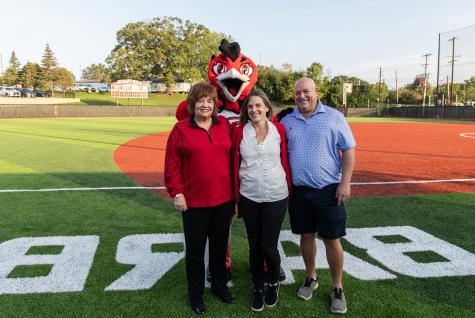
(112, 152)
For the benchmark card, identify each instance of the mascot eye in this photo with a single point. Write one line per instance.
(219, 68)
(246, 69)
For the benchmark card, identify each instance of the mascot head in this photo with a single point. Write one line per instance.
(233, 74)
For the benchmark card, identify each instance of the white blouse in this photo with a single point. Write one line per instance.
(261, 175)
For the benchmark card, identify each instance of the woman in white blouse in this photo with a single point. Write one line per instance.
(261, 187)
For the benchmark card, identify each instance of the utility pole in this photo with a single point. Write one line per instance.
(452, 76)
(379, 83)
(448, 92)
(438, 66)
(425, 78)
(397, 91)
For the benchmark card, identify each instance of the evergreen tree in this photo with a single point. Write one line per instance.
(30, 75)
(10, 77)
(48, 66)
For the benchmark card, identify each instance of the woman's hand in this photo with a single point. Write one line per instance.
(180, 202)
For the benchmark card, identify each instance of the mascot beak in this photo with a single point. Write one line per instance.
(232, 83)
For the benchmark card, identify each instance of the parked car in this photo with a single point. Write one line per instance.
(84, 87)
(13, 92)
(3, 91)
(43, 94)
(104, 89)
(27, 92)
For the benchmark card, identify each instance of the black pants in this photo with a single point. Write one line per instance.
(200, 224)
(263, 223)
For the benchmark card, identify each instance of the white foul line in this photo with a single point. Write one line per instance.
(413, 181)
(163, 188)
(82, 189)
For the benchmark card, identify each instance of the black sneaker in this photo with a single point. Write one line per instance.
(272, 294)
(198, 307)
(257, 304)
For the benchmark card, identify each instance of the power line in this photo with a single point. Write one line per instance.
(463, 28)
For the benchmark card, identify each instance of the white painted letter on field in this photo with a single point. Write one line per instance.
(459, 261)
(69, 271)
(149, 266)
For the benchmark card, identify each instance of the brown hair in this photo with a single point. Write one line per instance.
(201, 90)
(244, 116)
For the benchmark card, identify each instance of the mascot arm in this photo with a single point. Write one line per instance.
(283, 113)
(182, 111)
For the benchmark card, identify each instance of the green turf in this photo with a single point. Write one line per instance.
(51, 153)
(41, 250)
(30, 271)
(154, 99)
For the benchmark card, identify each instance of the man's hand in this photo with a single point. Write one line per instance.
(180, 202)
(343, 192)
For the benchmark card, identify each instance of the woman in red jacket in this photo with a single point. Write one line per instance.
(261, 185)
(198, 177)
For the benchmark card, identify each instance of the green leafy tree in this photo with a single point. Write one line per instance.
(409, 95)
(363, 93)
(30, 75)
(315, 72)
(63, 78)
(164, 48)
(278, 84)
(98, 72)
(469, 90)
(11, 75)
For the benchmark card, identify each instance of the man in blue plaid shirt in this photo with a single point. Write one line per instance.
(321, 150)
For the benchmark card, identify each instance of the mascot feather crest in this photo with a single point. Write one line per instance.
(233, 74)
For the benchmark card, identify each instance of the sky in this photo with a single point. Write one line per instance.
(351, 37)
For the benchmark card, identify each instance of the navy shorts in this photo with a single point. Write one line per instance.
(317, 211)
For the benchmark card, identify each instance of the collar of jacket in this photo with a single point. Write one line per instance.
(193, 123)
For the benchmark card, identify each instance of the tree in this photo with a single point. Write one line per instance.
(315, 72)
(165, 48)
(278, 84)
(48, 65)
(30, 75)
(287, 67)
(469, 90)
(10, 77)
(98, 72)
(63, 78)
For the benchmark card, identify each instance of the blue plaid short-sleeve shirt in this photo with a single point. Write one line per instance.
(314, 145)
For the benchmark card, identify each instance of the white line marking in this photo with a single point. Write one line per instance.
(82, 189)
(413, 181)
(467, 135)
(163, 188)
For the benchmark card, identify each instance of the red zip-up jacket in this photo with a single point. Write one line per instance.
(237, 135)
(198, 163)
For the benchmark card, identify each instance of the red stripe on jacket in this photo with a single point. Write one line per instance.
(237, 135)
(198, 164)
